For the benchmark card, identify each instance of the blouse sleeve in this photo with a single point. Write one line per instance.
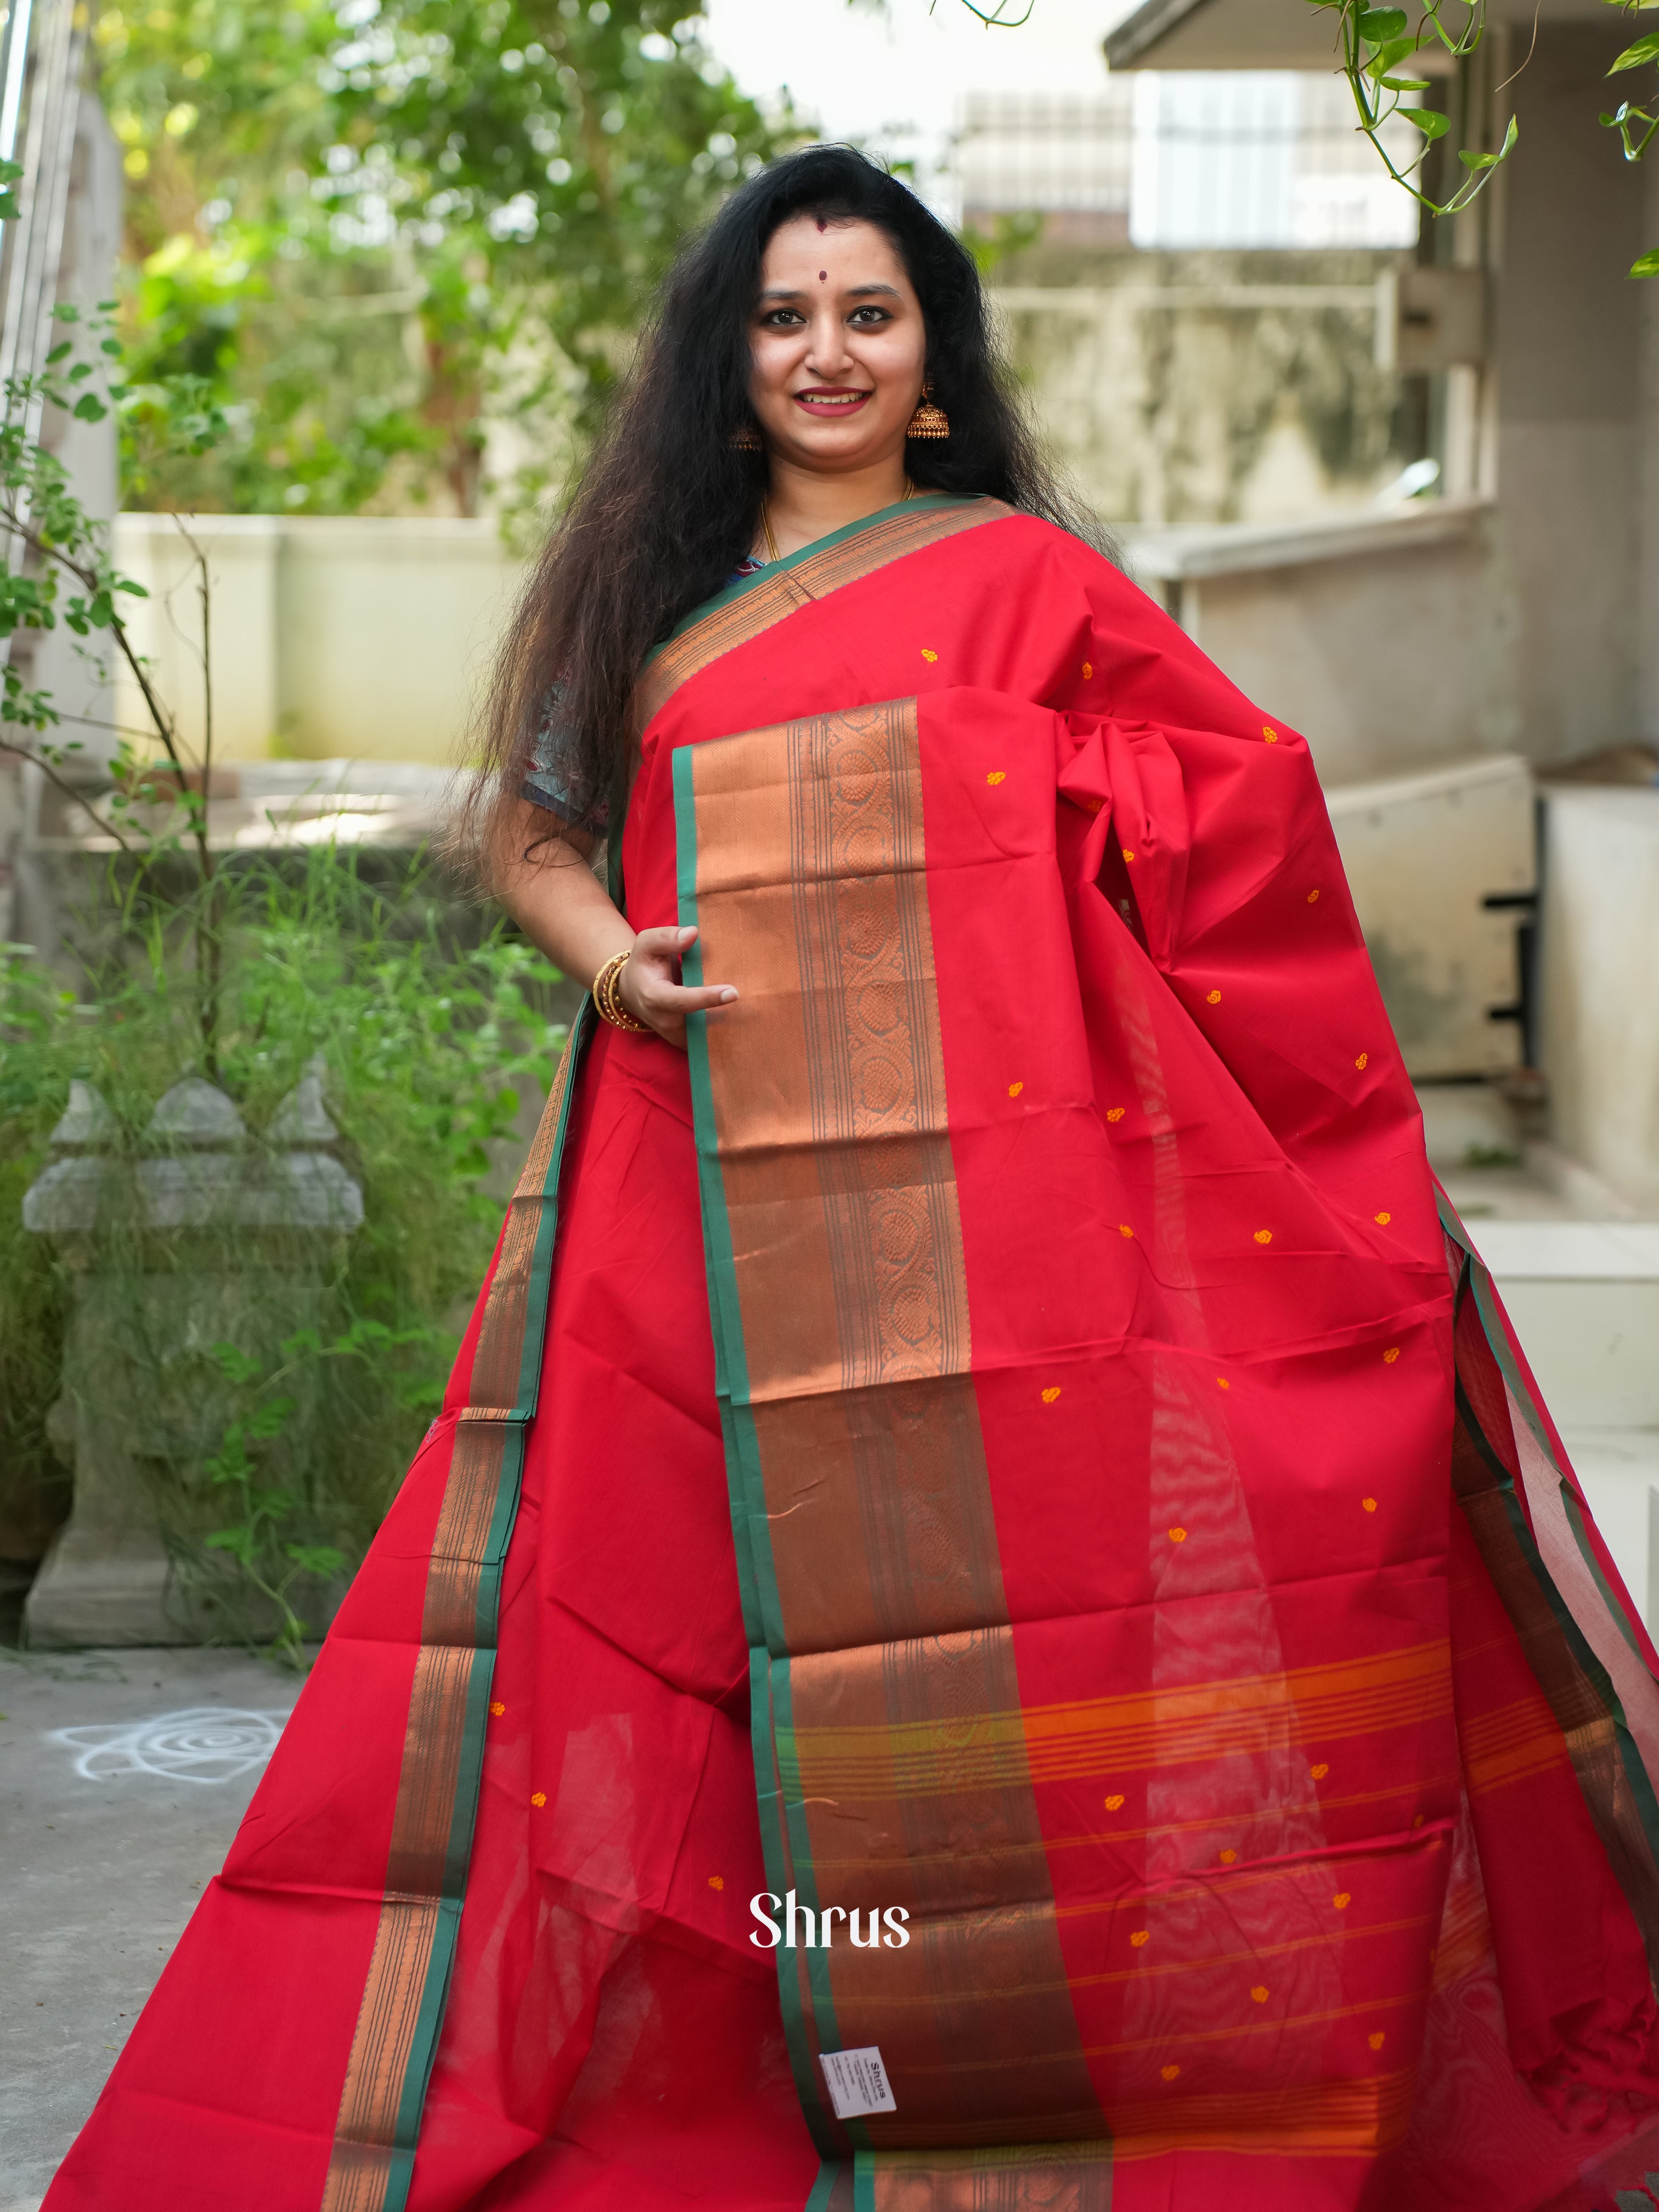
(550, 778)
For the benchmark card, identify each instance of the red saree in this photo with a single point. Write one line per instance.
(1009, 1412)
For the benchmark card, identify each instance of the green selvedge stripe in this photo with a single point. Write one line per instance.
(1476, 1279)
(1575, 1513)
(1526, 1542)
(440, 1959)
(784, 1842)
(1492, 1328)
(547, 1230)
(800, 1854)
(1609, 1595)
(864, 2182)
(824, 2188)
(762, 1616)
(1571, 1634)
(435, 1990)
(779, 1876)
(503, 1513)
(806, 1884)
(1636, 1773)
(1497, 1338)
(720, 1265)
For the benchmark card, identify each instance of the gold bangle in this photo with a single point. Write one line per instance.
(607, 995)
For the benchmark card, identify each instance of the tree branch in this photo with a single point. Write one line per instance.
(63, 783)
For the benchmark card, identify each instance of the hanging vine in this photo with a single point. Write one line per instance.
(1376, 45)
(1637, 125)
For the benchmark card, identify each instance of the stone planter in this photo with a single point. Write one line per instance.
(146, 1241)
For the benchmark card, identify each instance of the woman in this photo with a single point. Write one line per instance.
(973, 1369)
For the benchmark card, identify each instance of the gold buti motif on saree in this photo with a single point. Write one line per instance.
(873, 1588)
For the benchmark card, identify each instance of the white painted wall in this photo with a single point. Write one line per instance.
(1600, 962)
(368, 637)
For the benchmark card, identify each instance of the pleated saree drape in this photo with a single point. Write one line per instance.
(1003, 1436)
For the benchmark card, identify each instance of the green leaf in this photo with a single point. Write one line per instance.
(315, 1558)
(1647, 266)
(1645, 50)
(1389, 57)
(234, 1363)
(88, 408)
(267, 1421)
(1428, 120)
(1404, 83)
(1490, 161)
(1378, 24)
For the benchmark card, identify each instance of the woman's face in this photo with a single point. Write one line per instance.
(838, 345)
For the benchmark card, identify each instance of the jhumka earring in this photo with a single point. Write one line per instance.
(745, 439)
(930, 420)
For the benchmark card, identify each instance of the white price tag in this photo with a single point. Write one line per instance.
(858, 2082)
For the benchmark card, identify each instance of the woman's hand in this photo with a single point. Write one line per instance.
(649, 985)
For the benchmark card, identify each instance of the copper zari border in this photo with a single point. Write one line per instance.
(778, 591)
(404, 1996)
(838, 1287)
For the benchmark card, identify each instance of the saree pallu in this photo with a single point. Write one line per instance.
(1002, 1436)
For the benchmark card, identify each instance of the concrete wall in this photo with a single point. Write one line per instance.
(1208, 386)
(357, 637)
(1569, 400)
(1600, 920)
(1386, 637)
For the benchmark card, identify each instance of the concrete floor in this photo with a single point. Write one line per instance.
(123, 1777)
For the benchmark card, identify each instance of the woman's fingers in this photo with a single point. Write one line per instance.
(650, 989)
(663, 943)
(658, 997)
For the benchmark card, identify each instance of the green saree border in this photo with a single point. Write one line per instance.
(761, 1618)
(740, 586)
(746, 611)
(1491, 1326)
(1474, 1280)
(389, 2070)
(784, 1844)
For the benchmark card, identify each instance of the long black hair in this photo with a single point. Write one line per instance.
(668, 505)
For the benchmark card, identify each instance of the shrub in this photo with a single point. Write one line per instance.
(295, 1389)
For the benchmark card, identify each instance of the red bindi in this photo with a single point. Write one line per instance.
(823, 276)
(823, 222)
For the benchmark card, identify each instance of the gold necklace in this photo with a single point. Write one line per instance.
(772, 553)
